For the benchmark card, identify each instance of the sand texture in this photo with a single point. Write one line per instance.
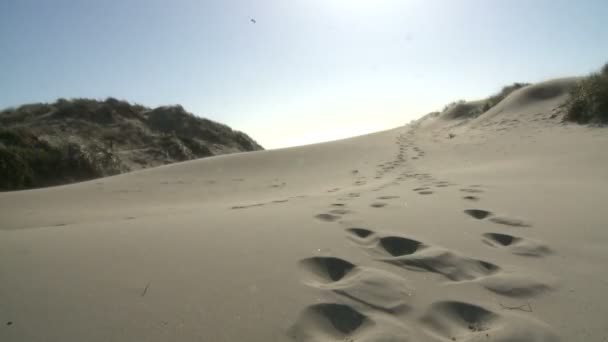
(448, 229)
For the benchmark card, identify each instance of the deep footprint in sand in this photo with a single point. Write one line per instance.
(479, 214)
(461, 321)
(471, 198)
(415, 255)
(425, 192)
(451, 265)
(326, 269)
(378, 205)
(360, 233)
(329, 322)
(374, 288)
(517, 245)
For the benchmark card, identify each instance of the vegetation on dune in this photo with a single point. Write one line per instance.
(504, 92)
(44, 144)
(26, 162)
(462, 109)
(588, 101)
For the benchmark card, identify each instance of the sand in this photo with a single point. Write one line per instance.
(496, 233)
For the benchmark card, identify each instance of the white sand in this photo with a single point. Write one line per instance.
(260, 247)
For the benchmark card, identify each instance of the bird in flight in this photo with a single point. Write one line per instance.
(253, 21)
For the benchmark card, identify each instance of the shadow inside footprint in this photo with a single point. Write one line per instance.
(360, 232)
(387, 197)
(449, 264)
(501, 239)
(340, 211)
(451, 319)
(399, 246)
(517, 245)
(378, 205)
(327, 269)
(471, 198)
(327, 217)
(510, 222)
(327, 319)
(478, 213)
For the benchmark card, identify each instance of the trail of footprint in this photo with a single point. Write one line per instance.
(461, 321)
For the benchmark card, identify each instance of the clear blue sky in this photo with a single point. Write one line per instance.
(309, 70)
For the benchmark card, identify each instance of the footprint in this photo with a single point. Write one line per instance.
(449, 264)
(417, 256)
(513, 222)
(460, 321)
(426, 192)
(387, 197)
(516, 285)
(517, 245)
(338, 204)
(248, 206)
(420, 188)
(329, 322)
(360, 232)
(378, 205)
(479, 214)
(327, 269)
(374, 288)
(471, 198)
(399, 246)
(340, 211)
(327, 217)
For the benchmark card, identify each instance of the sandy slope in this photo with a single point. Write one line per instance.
(497, 234)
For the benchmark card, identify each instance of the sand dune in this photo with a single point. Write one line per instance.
(447, 229)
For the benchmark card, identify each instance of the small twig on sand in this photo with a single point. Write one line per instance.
(524, 307)
(146, 289)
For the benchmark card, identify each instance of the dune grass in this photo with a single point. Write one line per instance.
(588, 101)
